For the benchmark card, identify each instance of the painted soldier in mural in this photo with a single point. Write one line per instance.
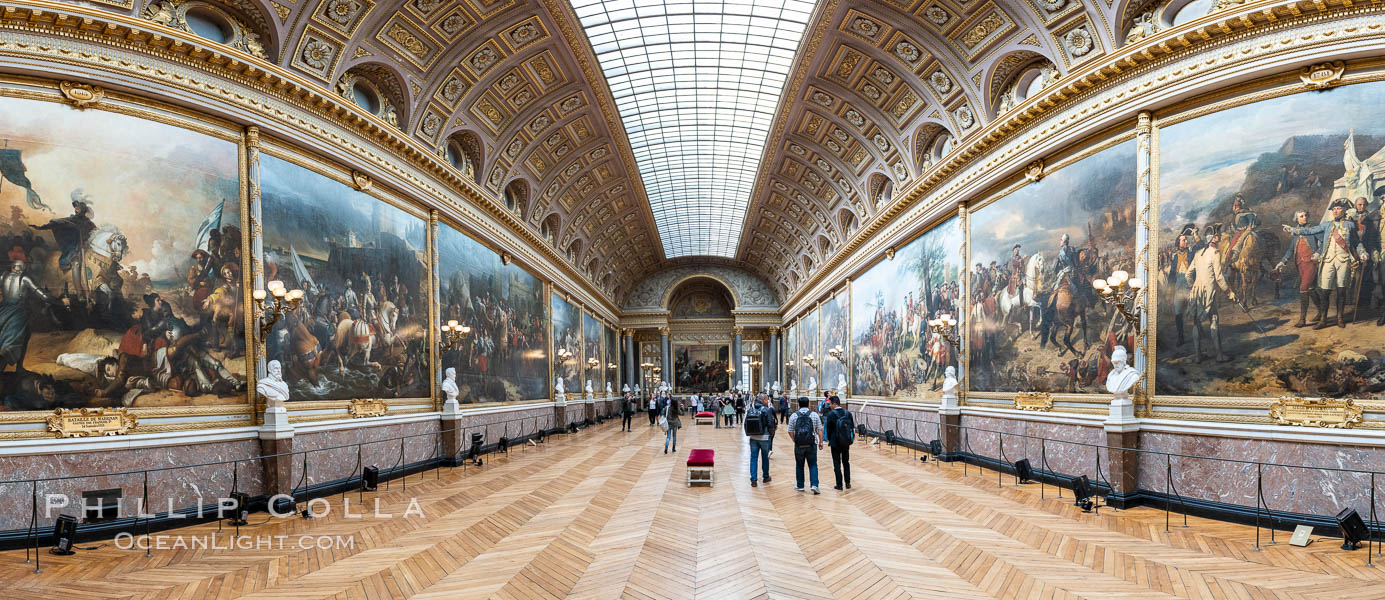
(1368, 229)
(1340, 262)
(1305, 250)
(1176, 267)
(14, 315)
(1207, 282)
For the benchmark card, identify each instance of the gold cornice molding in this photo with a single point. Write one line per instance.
(1120, 66)
(286, 89)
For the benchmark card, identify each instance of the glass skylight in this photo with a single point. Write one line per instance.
(696, 83)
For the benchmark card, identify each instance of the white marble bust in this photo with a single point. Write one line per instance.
(950, 381)
(272, 387)
(841, 384)
(608, 388)
(794, 384)
(449, 384)
(1122, 376)
(812, 383)
(558, 387)
(589, 386)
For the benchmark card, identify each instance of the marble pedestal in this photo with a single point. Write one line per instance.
(451, 432)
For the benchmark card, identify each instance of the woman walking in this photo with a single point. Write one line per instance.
(674, 424)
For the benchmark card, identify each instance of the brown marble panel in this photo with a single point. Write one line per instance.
(1056, 447)
(182, 486)
(333, 455)
(1310, 489)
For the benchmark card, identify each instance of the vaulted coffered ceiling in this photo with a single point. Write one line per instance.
(882, 92)
(877, 94)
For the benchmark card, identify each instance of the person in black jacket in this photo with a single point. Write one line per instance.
(627, 410)
(839, 426)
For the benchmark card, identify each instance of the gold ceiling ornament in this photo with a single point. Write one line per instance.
(367, 407)
(1034, 171)
(889, 253)
(506, 258)
(1322, 76)
(82, 95)
(1334, 413)
(361, 181)
(1034, 401)
(90, 422)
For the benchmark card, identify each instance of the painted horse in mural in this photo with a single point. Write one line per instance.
(1020, 293)
(1244, 259)
(1069, 304)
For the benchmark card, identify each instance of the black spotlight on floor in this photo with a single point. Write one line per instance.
(935, 447)
(1023, 470)
(240, 508)
(861, 430)
(538, 436)
(285, 505)
(64, 530)
(572, 428)
(1353, 528)
(889, 437)
(370, 478)
(503, 445)
(1082, 492)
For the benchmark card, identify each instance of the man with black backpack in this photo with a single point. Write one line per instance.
(806, 429)
(841, 432)
(759, 425)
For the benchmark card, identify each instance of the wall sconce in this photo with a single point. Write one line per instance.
(452, 335)
(835, 352)
(564, 355)
(1124, 293)
(283, 302)
(810, 361)
(592, 363)
(945, 326)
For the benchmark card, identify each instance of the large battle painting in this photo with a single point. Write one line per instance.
(808, 345)
(567, 344)
(122, 278)
(1036, 321)
(612, 358)
(505, 357)
(791, 359)
(361, 329)
(834, 332)
(591, 349)
(895, 353)
(1271, 278)
(701, 369)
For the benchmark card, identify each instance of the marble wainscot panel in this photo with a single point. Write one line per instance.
(515, 423)
(184, 488)
(576, 411)
(333, 453)
(1302, 490)
(1067, 458)
(912, 423)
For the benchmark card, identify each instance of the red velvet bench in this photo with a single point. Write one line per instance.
(705, 415)
(700, 462)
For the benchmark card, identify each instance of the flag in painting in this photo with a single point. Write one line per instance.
(209, 224)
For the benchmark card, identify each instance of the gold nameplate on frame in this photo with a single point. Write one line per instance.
(1036, 401)
(1315, 412)
(90, 422)
(367, 407)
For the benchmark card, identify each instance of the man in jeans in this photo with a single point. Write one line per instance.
(807, 440)
(759, 443)
(627, 411)
(839, 426)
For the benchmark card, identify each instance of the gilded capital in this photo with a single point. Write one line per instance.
(738, 330)
(663, 331)
(774, 331)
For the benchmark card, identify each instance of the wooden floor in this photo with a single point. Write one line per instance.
(606, 514)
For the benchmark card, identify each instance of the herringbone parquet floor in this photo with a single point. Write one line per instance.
(605, 514)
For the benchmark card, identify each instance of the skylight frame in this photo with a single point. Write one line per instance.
(697, 84)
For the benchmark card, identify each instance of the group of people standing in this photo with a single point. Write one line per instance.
(809, 431)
